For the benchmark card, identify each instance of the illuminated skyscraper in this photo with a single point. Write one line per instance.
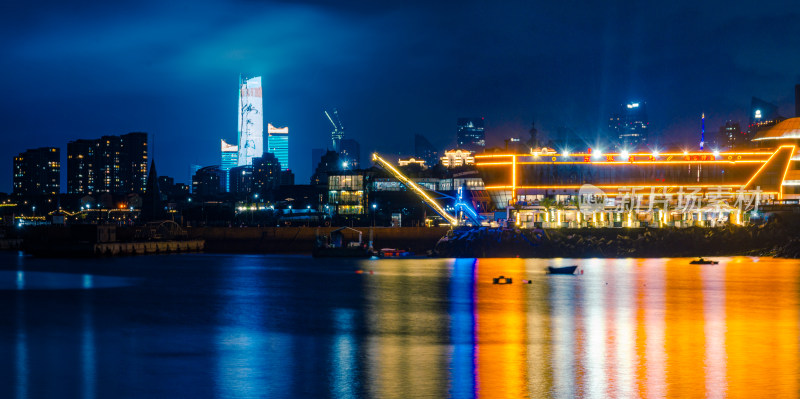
(630, 125)
(471, 135)
(251, 121)
(278, 144)
(38, 172)
(229, 159)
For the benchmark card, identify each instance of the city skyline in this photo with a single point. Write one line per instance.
(177, 88)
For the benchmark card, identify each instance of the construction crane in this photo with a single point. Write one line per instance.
(415, 188)
(338, 129)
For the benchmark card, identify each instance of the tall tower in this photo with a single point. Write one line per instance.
(278, 144)
(703, 131)
(251, 121)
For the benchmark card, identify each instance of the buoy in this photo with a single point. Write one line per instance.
(359, 271)
(370, 272)
(581, 271)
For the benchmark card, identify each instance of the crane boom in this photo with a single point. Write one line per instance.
(416, 188)
(331, 119)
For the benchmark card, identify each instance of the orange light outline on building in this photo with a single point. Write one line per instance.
(786, 171)
(765, 164)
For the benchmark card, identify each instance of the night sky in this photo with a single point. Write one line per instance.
(81, 69)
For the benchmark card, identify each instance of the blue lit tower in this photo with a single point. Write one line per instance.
(278, 144)
(229, 159)
(471, 135)
(251, 121)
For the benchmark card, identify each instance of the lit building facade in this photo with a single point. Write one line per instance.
(471, 134)
(38, 172)
(278, 144)
(110, 164)
(640, 188)
(346, 193)
(730, 135)
(229, 158)
(251, 121)
(411, 161)
(456, 158)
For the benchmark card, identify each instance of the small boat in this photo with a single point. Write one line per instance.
(562, 270)
(502, 280)
(335, 246)
(394, 253)
(702, 261)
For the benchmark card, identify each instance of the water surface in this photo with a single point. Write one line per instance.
(196, 325)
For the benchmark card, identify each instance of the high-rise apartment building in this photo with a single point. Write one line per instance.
(730, 135)
(38, 172)
(251, 121)
(228, 159)
(278, 144)
(471, 135)
(266, 173)
(110, 164)
(241, 179)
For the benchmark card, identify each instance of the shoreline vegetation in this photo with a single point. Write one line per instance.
(778, 238)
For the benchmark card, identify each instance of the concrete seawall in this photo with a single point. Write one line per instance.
(147, 248)
(301, 239)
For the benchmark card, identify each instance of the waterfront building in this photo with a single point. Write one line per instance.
(629, 126)
(346, 192)
(456, 158)
(110, 164)
(229, 158)
(278, 144)
(529, 185)
(350, 153)
(37, 172)
(425, 151)
(470, 134)
(251, 121)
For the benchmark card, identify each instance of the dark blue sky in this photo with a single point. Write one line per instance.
(82, 69)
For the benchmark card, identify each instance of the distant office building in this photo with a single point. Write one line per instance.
(762, 116)
(229, 158)
(730, 135)
(424, 150)
(266, 173)
(207, 181)
(38, 172)
(411, 161)
(350, 152)
(278, 144)
(456, 158)
(629, 125)
(110, 164)
(287, 178)
(471, 135)
(316, 156)
(251, 121)
(241, 179)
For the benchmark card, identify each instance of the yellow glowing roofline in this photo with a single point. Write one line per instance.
(414, 186)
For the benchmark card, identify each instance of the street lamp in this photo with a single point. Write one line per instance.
(374, 206)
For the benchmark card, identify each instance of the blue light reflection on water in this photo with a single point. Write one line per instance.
(462, 329)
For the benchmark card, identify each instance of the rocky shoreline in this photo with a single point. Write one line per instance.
(778, 239)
